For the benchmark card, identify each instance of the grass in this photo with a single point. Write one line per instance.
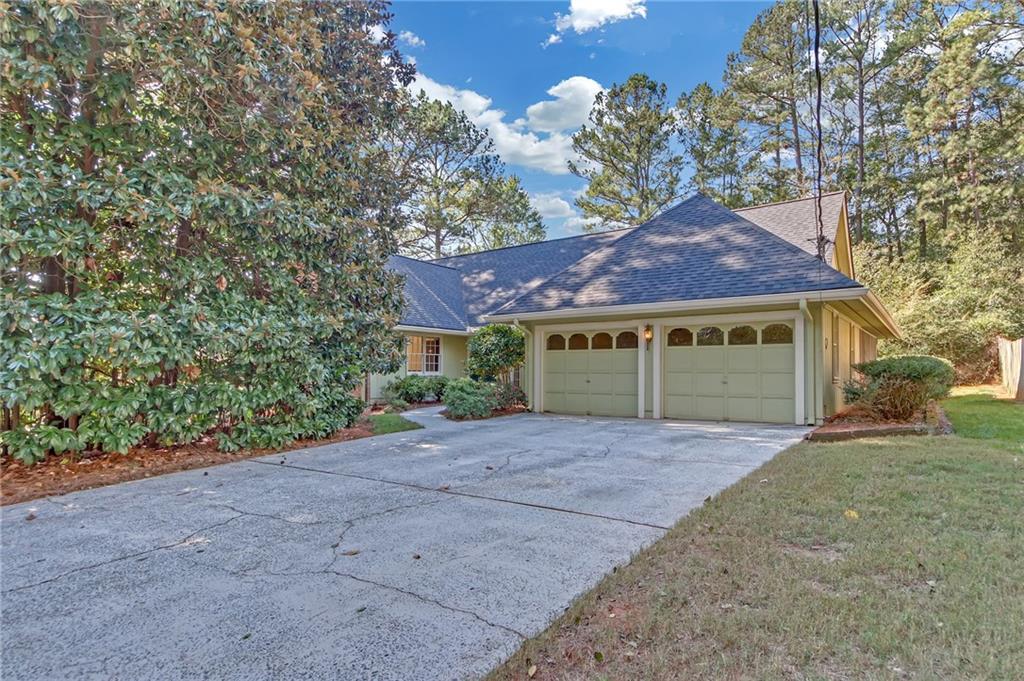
(887, 558)
(391, 423)
(979, 412)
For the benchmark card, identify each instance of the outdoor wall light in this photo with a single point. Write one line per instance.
(648, 333)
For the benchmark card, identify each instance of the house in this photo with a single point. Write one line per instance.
(699, 313)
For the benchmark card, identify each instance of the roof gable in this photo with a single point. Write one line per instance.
(795, 221)
(432, 292)
(695, 250)
(490, 279)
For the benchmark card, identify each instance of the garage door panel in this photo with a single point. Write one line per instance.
(743, 385)
(624, 405)
(624, 362)
(576, 383)
(711, 408)
(554, 401)
(777, 385)
(744, 408)
(679, 407)
(677, 383)
(624, 384)
(743, 359)
(576, 361)
(709, 359)
(601, 404)
(600, 384)
(777, 410)
(678, 359)
(576, 403)
(709, 385)
(778, 358)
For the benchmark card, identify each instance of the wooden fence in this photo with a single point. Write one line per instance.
(1011, 366)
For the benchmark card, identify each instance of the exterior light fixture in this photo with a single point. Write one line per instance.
(648, 333)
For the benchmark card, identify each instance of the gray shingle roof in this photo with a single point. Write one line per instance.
(696, 250)
(433, 294)
(795, 220)
(492, 278)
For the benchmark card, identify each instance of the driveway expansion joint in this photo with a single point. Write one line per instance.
(469, 495)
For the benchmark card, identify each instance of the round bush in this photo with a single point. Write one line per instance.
(935, 373)
(466, 398)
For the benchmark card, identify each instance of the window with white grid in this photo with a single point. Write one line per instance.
(423, 355)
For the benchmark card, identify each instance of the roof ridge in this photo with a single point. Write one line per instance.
(635, 230)
(779, 203)
(425, 262)
(532, 243)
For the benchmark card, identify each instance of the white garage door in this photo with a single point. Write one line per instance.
(736, 372)
(591, 372)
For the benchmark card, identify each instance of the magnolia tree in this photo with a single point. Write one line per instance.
(195, 220)
(495, 350)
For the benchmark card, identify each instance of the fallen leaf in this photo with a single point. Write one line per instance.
(851, 514)
(598, 656)
(350, 552)
(30, 516)
(415, 556)
(531, 671)
(222, 283)
(444, 487)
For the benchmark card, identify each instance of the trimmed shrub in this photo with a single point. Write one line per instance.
(415, 388)
(466, 398)
(896, 388)
(935, 373)
(435, 386)
(508, 396)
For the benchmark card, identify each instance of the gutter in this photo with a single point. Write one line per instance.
(683, 305)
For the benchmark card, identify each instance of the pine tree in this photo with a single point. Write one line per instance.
(625, 153)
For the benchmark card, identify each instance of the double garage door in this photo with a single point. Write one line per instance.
(736, 372)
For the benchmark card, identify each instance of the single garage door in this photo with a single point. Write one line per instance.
(741, 372)
(591, 372)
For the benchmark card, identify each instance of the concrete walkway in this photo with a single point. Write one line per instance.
(428, 554)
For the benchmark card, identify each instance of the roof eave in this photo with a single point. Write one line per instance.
(432, 329)
(681, 305)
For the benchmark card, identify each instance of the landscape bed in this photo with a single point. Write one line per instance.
(62, 474)
(883, 558)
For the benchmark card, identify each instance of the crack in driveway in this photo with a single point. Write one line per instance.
(137, 554)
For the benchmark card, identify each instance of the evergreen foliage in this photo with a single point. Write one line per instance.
(195, 220)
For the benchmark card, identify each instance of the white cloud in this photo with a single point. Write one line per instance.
(587, 15)
(377, 33)
(411, 39)
(551, 206)
(578, 223)
(535, 142)
(574, 97)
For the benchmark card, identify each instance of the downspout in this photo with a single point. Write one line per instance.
(808, 325)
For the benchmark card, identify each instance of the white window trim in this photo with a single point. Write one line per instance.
(440, 356)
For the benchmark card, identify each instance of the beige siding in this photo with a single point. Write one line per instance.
(453, 363)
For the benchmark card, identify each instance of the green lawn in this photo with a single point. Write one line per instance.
(978, 412)
(889, 558)
(391, 423)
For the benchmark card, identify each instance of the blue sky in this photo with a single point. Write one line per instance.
(528, 71)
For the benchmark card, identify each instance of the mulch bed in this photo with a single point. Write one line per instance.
(852, 425)
(497, 412)
(62, 474)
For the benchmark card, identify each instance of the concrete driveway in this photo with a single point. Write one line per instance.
(427, 554)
